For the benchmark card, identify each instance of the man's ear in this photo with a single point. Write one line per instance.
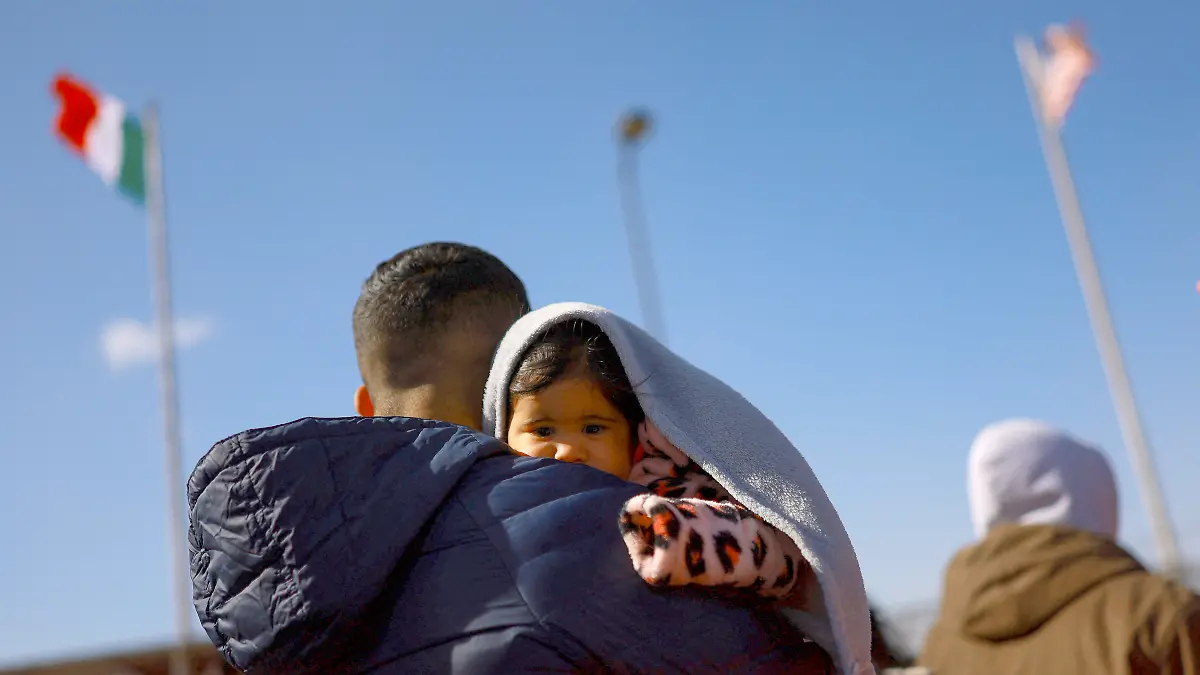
(362, 402)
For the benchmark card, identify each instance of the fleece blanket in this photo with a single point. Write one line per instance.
(739, 447)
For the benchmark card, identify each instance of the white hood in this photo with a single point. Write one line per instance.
(739, 447)
(1027, 472)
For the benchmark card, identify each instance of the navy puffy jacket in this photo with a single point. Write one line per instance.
(372, 545)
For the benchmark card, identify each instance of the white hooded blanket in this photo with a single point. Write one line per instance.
(739, 447)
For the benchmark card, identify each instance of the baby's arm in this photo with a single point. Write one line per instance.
(674, 542)
(681, 534)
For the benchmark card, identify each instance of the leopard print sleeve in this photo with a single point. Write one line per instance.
(689, 530)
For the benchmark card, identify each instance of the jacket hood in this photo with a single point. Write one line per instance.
(291, 537)
(739, 447)
(1027, 472)
(1020, 576)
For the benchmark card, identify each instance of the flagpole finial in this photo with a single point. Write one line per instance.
(633, 126)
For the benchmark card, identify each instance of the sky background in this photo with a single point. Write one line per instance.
(849, 208)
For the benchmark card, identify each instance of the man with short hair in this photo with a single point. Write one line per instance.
(1046, 588)
(391, 545)
(425, 328)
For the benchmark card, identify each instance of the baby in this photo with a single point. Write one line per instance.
(571, 399)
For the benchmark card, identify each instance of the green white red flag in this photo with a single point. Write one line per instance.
(101, 130)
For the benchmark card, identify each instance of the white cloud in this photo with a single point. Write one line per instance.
(129, 342)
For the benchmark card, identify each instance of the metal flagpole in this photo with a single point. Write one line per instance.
(632, 129)
(1103, 330)
(157, 225)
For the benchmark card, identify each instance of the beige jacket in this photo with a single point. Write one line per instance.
(1031, 599)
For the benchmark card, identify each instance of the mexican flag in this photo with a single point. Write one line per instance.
(100, 129)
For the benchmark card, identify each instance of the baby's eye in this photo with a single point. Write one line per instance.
(593, 429)
(542, 432)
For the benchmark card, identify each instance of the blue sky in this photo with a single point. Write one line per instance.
(848, 204)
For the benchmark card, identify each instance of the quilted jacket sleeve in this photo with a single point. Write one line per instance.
(295, 530)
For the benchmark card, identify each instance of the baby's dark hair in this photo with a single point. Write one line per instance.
(577, 347)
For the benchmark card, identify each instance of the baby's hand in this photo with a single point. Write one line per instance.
(675, 542)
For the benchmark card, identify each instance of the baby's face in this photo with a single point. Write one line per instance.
(572, 421)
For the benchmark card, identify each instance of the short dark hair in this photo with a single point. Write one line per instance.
(570, 347)
(415, 298)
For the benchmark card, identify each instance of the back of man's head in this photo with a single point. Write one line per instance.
(426, 325)
(1027, 472)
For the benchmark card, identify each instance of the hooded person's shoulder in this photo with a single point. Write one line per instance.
(1164, 618)
(1156, 619)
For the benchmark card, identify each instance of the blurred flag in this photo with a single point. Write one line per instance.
(1067, 63)
(100, 129)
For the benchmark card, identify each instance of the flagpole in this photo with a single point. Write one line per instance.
(634, 217)
(1103, 330)
(157, 224)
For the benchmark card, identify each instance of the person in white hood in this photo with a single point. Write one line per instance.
(1046, 588)
(1024, 472)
